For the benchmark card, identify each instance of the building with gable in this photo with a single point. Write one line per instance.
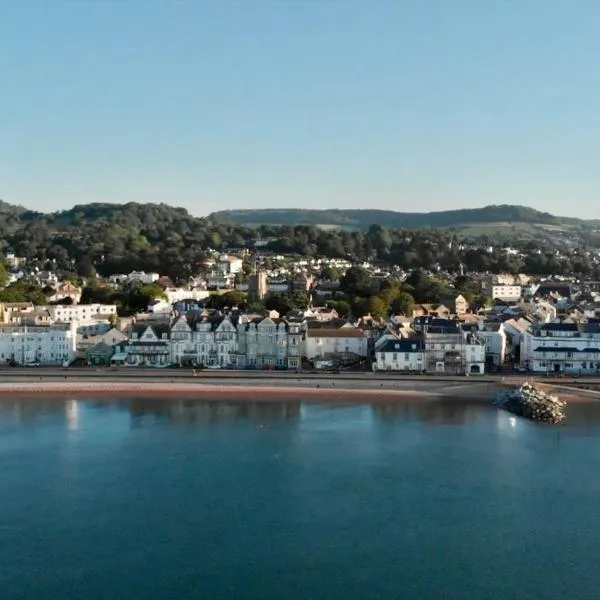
(407, 355)
(149, 345)
(562, 347)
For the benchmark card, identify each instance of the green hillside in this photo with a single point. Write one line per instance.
(362, 219)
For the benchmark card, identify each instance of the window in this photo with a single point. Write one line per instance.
(395, 357)
(407, 356)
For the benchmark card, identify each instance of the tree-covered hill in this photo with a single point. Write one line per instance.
(363, 218)
(112, 238)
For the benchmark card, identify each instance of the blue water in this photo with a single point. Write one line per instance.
(164, 499)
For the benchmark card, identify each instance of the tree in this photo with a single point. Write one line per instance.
(279, 302)
(342, 307)
(3, 275)
(403, 304)
(356, 282)
(377, 308)
(299, 300)
(227, 300)
(140, 296)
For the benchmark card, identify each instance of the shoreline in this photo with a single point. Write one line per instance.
(201, 391)
(255, 390)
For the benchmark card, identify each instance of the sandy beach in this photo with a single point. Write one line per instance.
(251, 389)
(177, 390)
(299, 388)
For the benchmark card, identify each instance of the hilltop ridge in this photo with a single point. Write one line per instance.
(362, 219)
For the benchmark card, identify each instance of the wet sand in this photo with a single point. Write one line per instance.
(295, 389)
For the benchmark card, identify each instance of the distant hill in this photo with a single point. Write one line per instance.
(362, 219)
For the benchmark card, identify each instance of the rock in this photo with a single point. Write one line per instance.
(532, 403)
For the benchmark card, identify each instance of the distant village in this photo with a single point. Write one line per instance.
(544, 325)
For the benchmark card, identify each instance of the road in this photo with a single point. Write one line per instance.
(125, 373)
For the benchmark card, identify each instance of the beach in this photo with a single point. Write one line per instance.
(297, 386)
(306, 388)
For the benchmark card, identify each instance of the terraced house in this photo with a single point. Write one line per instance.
(562, 347)
(149, 345)
(204, 340)
(267, 343)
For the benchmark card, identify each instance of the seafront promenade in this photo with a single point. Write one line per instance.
(264, 385)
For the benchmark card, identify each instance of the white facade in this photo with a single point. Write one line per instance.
(149, 346)
(454, 353)
(211, 343)
(269, 344)
(179, 294)
(82, 313)
(143, 277)
(561, 352)
(47, 345)
(321, 342)
(230, 264)
(400, 355)
(495, 345)
(508, 293)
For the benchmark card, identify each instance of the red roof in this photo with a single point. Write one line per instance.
(335, 333)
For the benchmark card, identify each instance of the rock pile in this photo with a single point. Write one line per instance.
(532, 403)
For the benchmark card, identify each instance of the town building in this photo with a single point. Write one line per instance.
(507, 293)
(204, 340)
(494, 336)
(325, 340)
(65, 291)
(8, 308)
(81, 313)
(263, 344)
(140, 277)
(449, 348)
(562, 347)
(407, 355)
(149, 345)
(258, 286)
(40, 344)
(230, 265)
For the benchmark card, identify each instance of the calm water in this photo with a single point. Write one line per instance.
(150, 499)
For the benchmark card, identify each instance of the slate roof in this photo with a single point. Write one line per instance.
(406, 346)
(565, 349)
(559, 327)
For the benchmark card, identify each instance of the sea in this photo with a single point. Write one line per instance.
(285, 500)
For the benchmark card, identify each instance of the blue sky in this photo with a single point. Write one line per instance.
(405, 105)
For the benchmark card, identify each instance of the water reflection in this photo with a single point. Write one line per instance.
(442, 412)
(142, 411)
(194, 411)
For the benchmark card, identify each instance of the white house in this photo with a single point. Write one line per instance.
(46, 344)
(494, 337)
(230, 265)
(562, 348)
(400, 355)
(269, 343)
(82, 313)
(179, 294)
(66, 290)
(451, 349)
(143, 277)
(197, 339)
(507, 293)
(322, 342)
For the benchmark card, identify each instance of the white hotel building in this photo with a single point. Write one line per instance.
(81, 313)
(45, 344)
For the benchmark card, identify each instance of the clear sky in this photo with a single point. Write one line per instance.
(209, 104)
